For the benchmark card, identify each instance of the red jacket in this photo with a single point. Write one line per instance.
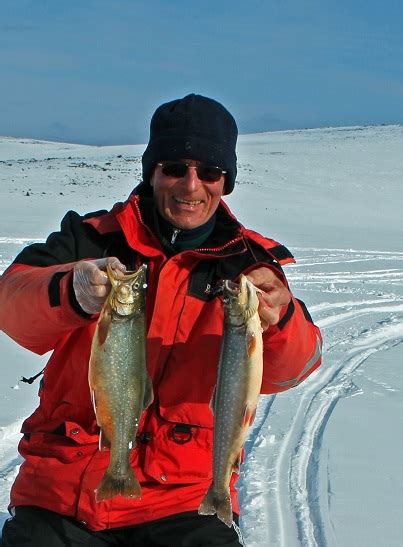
(62, 464)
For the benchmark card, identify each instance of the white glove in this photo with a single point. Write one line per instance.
(91, 284)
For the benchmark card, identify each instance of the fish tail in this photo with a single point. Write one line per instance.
(118, 485)
(220, 503)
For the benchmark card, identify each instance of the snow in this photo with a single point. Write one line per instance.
(323, 460)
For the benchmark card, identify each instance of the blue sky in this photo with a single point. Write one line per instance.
(93, 71)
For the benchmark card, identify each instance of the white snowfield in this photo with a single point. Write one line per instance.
(323, 460)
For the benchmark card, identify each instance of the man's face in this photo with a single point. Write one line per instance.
(186, 202)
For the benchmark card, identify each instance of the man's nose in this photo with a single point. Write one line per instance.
(191, 179)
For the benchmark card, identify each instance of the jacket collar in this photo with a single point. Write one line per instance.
(136, 219)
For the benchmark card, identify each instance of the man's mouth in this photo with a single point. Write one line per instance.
(187, 202)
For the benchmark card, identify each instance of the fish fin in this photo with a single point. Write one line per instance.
(94, 401)
(212, 400)
(217, 503)
(103, 325)
(248, 416)
(251, 343)
(249, 313)
(253, 300)
(148, 393)
(111, 276)
(207, 506)
(104, 442)
(126, 485)
(237, 464)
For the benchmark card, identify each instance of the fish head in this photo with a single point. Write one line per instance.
(127, 296)
(240, 301)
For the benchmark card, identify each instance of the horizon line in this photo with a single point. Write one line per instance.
(290, 130)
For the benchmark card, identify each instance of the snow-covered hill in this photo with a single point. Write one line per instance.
(323, 465)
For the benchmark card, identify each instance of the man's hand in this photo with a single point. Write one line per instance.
(274, 295)
(91, 284)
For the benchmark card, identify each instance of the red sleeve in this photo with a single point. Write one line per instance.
(292, 349)
(37, 305)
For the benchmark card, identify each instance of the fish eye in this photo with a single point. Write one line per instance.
(136, 285)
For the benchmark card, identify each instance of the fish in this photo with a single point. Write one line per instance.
(234, 402)
(118, 378)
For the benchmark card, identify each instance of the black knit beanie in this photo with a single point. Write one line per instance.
(195, 128)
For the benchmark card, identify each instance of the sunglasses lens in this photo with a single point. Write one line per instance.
(178, 169)
(175, 169)
(209, 173)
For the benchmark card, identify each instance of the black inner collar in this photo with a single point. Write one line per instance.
(225, 228)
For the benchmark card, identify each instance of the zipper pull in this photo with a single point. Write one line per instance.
(175, 234)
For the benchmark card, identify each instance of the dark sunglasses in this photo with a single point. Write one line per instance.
(178, 169)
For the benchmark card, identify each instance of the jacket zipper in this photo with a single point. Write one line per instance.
(175, 234)
(217, 249)
(177, 230)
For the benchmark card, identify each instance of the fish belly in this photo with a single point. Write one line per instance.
(237, 391)
(118, 377)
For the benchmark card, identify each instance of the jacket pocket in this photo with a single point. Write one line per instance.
(69, 444)
(52, 471)
(178, 453)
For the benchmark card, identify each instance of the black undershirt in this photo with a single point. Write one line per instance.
(176, 240)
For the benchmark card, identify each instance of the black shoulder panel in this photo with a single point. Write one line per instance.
(74, 241)
(280, 252)
(204, 280)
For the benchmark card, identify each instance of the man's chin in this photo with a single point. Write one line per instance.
(186, 222)
(187, 225)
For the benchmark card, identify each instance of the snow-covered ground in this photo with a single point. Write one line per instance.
(323, 461)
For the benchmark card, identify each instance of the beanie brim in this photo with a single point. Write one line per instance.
(180, 147)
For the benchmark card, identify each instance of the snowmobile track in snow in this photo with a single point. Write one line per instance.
(291, 426)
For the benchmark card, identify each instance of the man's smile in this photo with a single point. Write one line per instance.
(191, 203)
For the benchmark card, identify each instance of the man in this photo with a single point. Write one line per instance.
(176, 222)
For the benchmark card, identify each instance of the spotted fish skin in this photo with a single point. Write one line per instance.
(237, 391)
(120, 385)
